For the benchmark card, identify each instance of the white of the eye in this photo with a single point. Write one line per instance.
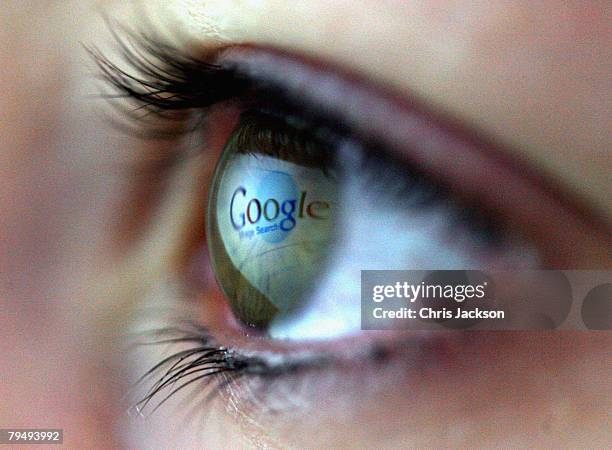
(380, 237)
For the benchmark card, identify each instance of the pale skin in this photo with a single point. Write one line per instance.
(534, 76)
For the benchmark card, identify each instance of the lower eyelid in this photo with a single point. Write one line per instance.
(447, 368)
(407, 368)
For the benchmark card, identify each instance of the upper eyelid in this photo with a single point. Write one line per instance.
(439, 146)
(369, 112)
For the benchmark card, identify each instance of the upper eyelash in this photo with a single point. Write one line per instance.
(162, 80)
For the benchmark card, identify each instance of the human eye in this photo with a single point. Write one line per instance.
(317, 176)
(296, 213)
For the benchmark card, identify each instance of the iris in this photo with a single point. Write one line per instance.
(270, 219)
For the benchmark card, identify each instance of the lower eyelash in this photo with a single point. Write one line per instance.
(216, 365)
(198, 362)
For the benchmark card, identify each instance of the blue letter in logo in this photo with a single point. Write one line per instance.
(234, 224)
(288, 215)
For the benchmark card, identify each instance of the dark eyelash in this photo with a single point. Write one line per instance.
(162, 86)
(161, 81)
(204, 360)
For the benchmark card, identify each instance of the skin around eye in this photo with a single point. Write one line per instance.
(282, 355)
